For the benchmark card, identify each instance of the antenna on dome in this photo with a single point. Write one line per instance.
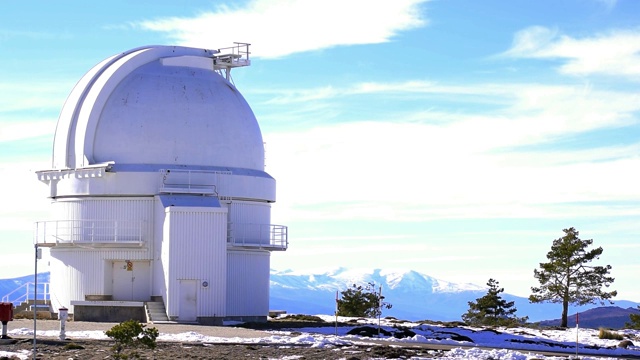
(231, 57)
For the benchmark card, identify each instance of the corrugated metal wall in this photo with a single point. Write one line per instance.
(196, 250)
(80, 271)
(76, 272)
(60, 296)
(125, 210)
(104, 208)
(249, 212)
(245, 218)
(248, 283)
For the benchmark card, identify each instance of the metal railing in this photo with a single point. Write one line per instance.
(193, 181)
(231, 57)
(27, 292)
(234, 56)
(89, 231)
(261, 236)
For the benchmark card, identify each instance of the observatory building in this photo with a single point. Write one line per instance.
(160, 205)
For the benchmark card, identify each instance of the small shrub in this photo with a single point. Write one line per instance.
(130, 335)
(610, 335)
(301, 317)
(40, 315)
(447, 324)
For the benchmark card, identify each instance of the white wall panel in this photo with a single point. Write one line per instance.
(104, 208)
(248, 283)
(196, 250)
(250, 212)
(248, 221)
(76, 272)
(104, 219)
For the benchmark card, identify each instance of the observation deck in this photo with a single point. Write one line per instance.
(118, 233)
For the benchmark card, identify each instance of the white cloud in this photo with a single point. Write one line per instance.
(530, 113)
(280, 28)
(25, 129)
(466, 167)
(31, 199)
(20, 95)
(613, 53)
(530, 42)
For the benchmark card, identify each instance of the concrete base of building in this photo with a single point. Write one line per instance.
(106, 311)
(246, 318)
(211, 320)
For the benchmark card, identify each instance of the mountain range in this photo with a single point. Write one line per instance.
(612, 317)
(413, 295)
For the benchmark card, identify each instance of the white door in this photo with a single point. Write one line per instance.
(188, 301)
(131, 280)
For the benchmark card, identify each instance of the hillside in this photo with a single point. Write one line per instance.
(610, 317)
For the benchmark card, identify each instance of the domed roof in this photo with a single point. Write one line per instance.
(160, 105)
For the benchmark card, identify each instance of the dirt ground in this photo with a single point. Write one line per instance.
(53, 348)
(94, 349)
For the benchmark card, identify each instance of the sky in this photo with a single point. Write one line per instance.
(507, 343)
(456, 138)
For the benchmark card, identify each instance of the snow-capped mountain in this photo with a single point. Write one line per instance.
(414, 296)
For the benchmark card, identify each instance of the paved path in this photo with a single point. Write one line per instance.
(217, 331)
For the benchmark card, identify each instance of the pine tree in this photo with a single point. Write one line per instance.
(359, 301)
(492, 309)
(568, 279)
(634, 321)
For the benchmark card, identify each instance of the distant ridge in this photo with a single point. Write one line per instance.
(9, 285)
(609, 317)
(414, 296)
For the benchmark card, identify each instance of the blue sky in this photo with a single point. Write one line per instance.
(453, 137)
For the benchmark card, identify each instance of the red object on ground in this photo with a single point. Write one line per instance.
(6, 311)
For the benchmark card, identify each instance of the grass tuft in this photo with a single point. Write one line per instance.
(610, 335)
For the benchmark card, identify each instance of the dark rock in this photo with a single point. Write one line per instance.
(625, 343)
(368, 331)
(403, 333)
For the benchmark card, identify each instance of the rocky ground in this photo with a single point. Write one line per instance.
(99, 349)
(53, 348)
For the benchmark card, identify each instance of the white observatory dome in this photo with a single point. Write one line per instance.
(149, 106)
(158, 193)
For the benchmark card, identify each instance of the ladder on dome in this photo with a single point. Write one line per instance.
(231, 57)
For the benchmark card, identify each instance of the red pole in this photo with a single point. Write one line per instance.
(577, 330)
(336, 330)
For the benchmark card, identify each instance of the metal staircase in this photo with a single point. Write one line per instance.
(23, 299)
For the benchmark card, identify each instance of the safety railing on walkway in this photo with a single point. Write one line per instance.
(262, 236)
(27, 292)
(69, 232)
